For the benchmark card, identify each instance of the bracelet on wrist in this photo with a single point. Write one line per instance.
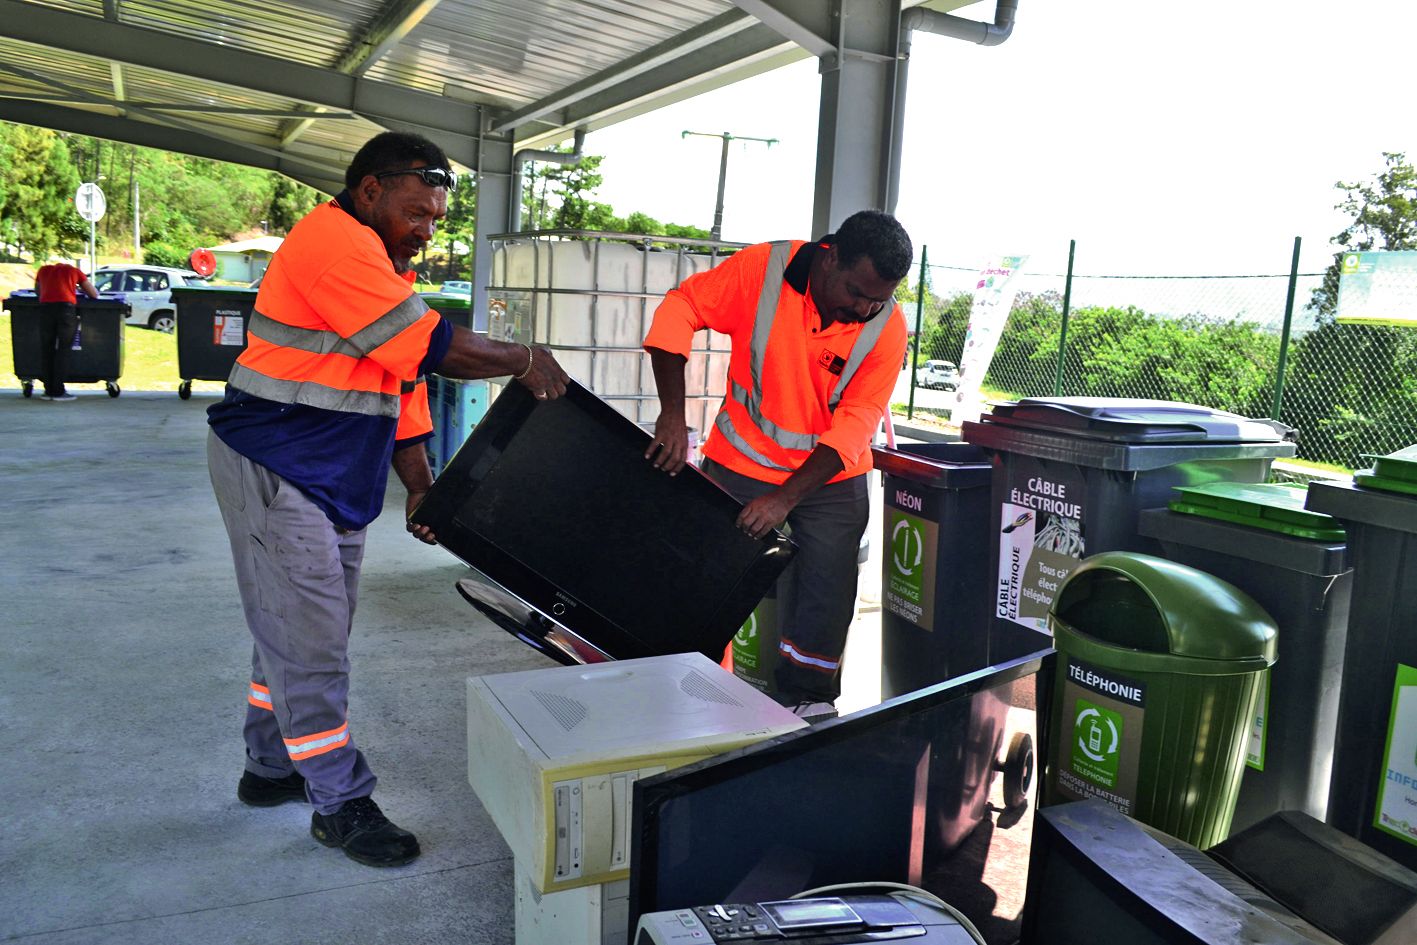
(530, 358)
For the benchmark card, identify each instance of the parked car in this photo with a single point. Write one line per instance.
(937, 375)
(456, 288)
(149, 291)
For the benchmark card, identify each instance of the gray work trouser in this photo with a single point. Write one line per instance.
(816, 595)
(298, 575)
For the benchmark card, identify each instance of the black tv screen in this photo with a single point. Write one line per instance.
(925, 789)
(555, 502)
(1098, 876)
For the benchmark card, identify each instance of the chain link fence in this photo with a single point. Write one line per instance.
(1218, 341)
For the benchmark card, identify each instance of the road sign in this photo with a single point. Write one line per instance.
(90, 202)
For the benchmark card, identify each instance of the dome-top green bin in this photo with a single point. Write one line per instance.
(1158, 670)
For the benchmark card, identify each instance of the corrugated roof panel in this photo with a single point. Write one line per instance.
(71, 69)
(90, 7)
(314, 33)
(517, 52)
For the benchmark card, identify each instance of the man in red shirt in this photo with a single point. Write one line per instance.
(817, 344)
(56, 285)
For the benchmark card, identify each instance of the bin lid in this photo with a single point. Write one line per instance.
(209, 290)
(1269, 505)
(1226, 540)
(1351, 503)
(1152, 606)
(1128, 420)
(938, 465)
(1401, 465)
(439, 301)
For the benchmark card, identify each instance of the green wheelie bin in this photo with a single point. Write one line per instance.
(1159, 666)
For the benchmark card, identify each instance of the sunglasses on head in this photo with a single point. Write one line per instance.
(432, 176)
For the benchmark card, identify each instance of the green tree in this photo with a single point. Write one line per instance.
(290, 201)
(1384, 212)
(1352, 389)
(38, 181)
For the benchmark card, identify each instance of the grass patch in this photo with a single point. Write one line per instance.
(149, 362)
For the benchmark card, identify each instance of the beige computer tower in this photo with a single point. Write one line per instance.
(553, 753)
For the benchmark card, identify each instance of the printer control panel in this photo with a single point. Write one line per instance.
(819, 921)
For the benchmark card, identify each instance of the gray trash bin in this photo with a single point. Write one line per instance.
(1071, 475)
(212, 324)
(97, 355)
(1373, 793)
(1295, 565)
(934, 582)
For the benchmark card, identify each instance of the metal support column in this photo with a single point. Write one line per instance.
(854, 131)
(494, 195)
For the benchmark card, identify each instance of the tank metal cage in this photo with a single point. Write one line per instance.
(590, 296)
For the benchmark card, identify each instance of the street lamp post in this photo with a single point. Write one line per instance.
(723, 170)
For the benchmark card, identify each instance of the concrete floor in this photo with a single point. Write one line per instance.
(122, 691)
(122, 694)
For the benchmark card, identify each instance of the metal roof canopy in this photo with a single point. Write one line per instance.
(299, 87)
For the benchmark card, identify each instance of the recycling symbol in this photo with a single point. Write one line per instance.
(908, 547)
(748, 632)
(1097, 735)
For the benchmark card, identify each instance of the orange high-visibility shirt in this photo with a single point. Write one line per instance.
(798, 379)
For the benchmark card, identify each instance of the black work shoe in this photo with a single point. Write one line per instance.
(268, 792)
(365, 834)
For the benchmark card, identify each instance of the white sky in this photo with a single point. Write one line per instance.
(1185, 138)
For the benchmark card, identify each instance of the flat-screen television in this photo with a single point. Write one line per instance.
(930, 788)
(1098, 876)
(555, 502)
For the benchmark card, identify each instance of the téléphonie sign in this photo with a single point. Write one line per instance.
(1041, 538)
(1102, 756)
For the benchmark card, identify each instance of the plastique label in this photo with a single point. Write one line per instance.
(227, 328)
(1396, 808)
(1098, 753)
(1040, 539)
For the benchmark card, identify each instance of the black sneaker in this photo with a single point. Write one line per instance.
(268, 792)
(365, 834)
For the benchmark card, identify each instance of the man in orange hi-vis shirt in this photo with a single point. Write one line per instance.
(817, 346)
(328, 395)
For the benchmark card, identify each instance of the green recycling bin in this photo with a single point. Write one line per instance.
(455, 308)
(1159, 666)
(1373, 793)
(1293, 562)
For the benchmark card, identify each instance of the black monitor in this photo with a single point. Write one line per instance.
(1098, 876)
(555, 502)
(929, 788)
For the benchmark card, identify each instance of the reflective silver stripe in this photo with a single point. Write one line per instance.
(782, 436)
(301, 339)
(767, 310)
(725, 426)
(389, 324)
(310, 394)
(359, 344)
(865, 342)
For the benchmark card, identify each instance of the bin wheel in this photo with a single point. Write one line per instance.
(1018, 770)
(27, 388)
(113, 389)
(184, 390)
